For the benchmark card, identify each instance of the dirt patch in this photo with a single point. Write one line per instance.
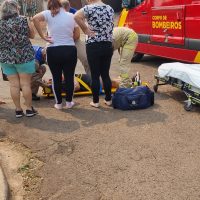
(19, 165)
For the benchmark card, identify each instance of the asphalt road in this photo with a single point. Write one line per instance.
(105, 154)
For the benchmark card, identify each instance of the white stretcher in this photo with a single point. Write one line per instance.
(183, 76)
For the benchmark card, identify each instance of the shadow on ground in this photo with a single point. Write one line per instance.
(79, 116)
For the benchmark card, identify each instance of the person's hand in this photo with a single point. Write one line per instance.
(2, 102)
(90, 32)
(45, 83)
(48, 39)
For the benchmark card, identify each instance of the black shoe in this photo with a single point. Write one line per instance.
(19, 113)
(31, 113)
(35, 97)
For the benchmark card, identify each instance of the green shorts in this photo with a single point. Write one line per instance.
(23, 68)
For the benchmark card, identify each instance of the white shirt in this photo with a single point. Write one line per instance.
(60, 27)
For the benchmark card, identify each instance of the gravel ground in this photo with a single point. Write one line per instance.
(104, 154)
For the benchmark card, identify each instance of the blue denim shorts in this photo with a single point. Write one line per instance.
(23, 68)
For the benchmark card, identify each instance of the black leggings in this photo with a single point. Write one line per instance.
(62, 59)
(99, 55)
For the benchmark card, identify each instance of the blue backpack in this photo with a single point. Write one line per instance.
(139, 97)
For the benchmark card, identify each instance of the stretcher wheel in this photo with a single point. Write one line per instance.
(155, 88)
(188, 106)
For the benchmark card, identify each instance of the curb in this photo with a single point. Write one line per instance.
(4, 191)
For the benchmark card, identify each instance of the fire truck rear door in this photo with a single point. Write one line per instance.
(168, 25)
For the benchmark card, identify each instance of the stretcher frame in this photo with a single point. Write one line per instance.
(48, 91)
(192, 93)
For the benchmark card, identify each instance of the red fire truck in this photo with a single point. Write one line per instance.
(166, 28)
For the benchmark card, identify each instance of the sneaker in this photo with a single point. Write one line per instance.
(70, 104)
(19, 113)
(108, 103)
(35, 97)
(96, 105)
(31, 113)
(58, 106)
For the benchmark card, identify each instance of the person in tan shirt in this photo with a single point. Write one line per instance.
(125, 40)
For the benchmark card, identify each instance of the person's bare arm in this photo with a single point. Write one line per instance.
(36, 20)
(31, 32)
(76, 35)
(80, 20)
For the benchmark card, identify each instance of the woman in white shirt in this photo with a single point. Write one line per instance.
(61, 50)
